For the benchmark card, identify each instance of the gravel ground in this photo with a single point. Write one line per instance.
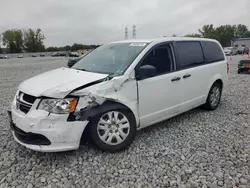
(196, 149)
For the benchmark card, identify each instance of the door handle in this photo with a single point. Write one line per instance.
(175, 79)
(187, 75)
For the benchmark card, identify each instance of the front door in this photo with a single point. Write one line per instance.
(159, 95)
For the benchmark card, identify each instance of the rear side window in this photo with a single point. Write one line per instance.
(189, 54)
(212, 52)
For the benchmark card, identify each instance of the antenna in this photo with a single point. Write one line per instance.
(126, 33)
(134, 31)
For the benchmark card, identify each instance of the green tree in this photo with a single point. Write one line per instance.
(76, 47)
(224, 33)
(13, 40)
(33, 40)
(52, 49)
(207, 31)
(1, 50)
(241, 31)
(67, 48)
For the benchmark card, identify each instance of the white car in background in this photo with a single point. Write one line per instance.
(230, 51)
(117, 89)
(4, 57)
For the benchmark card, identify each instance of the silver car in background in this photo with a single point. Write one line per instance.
(230, 51)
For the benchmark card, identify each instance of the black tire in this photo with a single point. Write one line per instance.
(239, 71)
(208, 105)
(113, 148)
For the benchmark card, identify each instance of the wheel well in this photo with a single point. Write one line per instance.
(106, 106)
(220, 82)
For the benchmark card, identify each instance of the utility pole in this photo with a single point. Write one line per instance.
(134, 32)
(126, 33)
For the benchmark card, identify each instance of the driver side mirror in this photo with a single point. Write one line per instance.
(145, 71)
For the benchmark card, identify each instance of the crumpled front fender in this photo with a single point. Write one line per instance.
(120, 92)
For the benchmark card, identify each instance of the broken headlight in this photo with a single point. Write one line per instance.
(58, 106)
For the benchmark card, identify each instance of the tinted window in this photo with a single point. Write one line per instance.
(160, 58)
(189, 54)
(212, 51)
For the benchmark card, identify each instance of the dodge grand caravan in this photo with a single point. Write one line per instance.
(116, 90)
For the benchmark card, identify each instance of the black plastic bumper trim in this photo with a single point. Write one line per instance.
(28, 138)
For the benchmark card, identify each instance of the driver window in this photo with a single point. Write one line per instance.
(161, 59)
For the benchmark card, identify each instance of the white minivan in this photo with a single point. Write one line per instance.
(117, 89)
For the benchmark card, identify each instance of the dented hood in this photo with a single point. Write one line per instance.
(58, 83)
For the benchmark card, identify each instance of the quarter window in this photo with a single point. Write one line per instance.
(212, 52)
(189, 54)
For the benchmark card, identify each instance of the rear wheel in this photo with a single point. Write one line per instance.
(214, 96)
(113, 130)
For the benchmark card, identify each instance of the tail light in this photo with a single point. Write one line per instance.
(227, 67)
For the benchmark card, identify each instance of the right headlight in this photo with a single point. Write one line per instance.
(58, 106)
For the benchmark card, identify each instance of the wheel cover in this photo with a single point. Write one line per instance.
(215, 96)
(113, 128)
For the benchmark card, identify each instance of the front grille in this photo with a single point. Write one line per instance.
(29, 98)
(23, 107)
(24, 102)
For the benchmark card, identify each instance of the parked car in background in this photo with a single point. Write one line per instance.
(244, 66)
(59, 54)
(5, 57)
(71, 62)
(230, 51)
(116, 90)
(20, 56)
(243, 50)
(55, 54)
(42, 55)
(33, 55)
(73, 54)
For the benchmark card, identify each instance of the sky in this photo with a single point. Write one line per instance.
(65, 22)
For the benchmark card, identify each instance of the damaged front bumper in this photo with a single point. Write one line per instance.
(46, 132)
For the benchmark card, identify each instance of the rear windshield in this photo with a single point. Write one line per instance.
(112, 59)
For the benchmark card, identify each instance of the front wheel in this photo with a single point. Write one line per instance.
(214, 96)
(113, 130)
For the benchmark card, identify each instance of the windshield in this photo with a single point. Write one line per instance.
(112, 59)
